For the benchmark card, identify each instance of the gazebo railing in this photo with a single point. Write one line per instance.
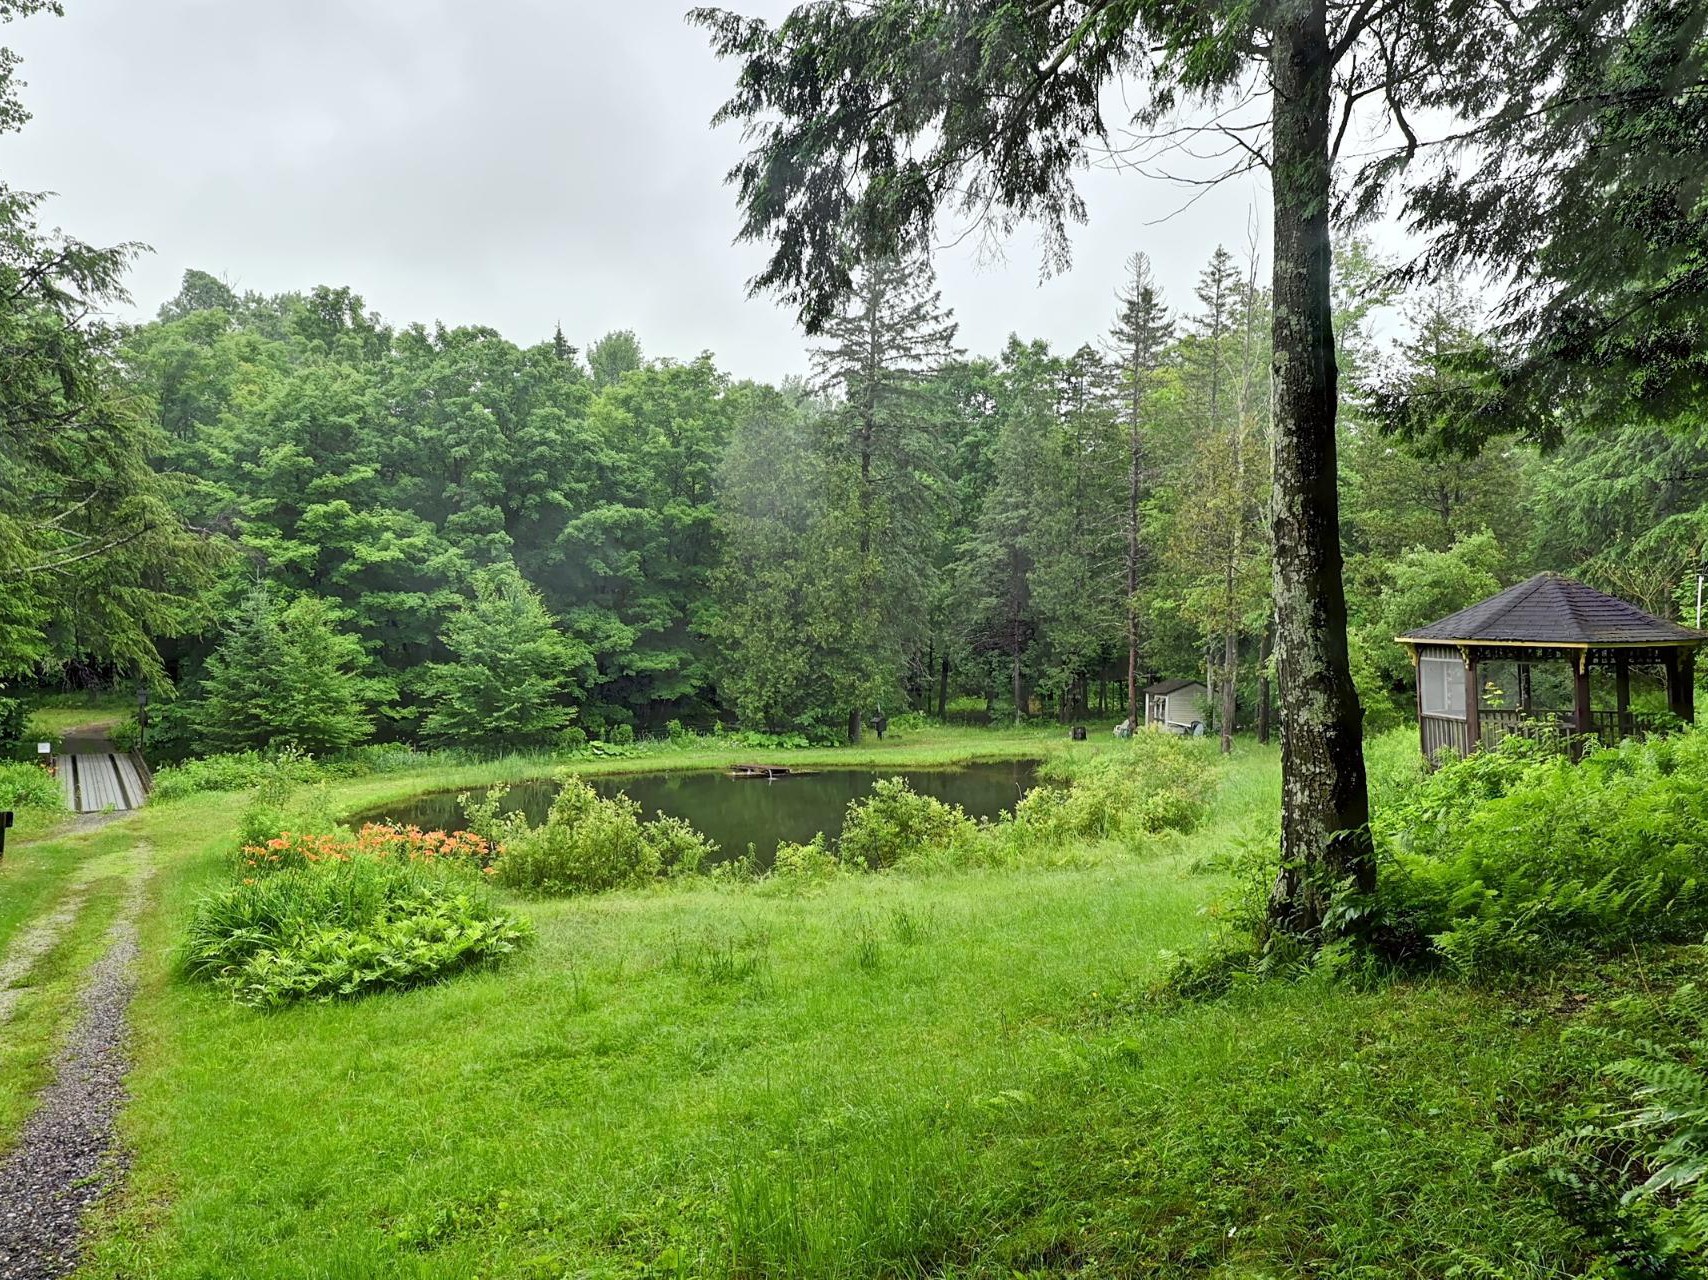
(1608, 727)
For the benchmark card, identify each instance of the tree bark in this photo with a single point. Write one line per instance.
(942, 688)
(1325, 806)
(854, 727)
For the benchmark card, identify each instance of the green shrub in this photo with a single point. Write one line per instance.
(895, 823)
(1155, 783)
(28, 786)
(682, 851)
(126, 735)
(13, 718)
(1632, 1171)
(1514, 858)
(387, 757)
(772, 741)
(806, 863)
(586, 844)
(343, 929)
(621, 735)
(237, 771)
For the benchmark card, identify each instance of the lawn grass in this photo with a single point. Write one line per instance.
(963, 1074)
(38, 868)
(50, 720)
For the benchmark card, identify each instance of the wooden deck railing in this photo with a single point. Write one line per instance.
(1607, 727)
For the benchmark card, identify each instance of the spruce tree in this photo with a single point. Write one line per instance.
(1137, 342)
(512, 672)
(877, 358)
(998, 566)
(283, 676)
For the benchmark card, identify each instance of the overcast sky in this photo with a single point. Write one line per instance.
(512, 163)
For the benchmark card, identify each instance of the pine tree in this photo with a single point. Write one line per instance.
(1078, 577)
(996, 572)
(1137, 341)
(283, 677)
(876, 358)
(512, 669)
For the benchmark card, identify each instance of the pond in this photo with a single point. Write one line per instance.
(738, 811)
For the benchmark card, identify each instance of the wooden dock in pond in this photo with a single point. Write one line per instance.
(766, 771)
(95, 781)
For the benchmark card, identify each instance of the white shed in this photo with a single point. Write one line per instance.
(1175, 705)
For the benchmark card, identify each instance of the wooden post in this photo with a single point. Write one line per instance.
(1584, 715)
(1681, 684)
(1422, 724)
(1526, 700)
(1473, 704)
(1622, 693)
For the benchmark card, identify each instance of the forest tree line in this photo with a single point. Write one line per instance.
(449, 537)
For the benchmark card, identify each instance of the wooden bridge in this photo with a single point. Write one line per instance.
(94, 781)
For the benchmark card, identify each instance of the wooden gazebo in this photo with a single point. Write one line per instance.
(1547, 619)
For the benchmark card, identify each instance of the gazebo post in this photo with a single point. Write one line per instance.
(1473, 704)
(1681, 684)
(1526, 702)
(1622, 692)
(1584, 715)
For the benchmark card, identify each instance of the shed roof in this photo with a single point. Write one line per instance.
(1552, 609)
(1173, 686)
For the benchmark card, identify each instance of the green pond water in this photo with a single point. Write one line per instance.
(737, 812)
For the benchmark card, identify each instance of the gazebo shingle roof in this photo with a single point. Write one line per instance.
(1551, 609)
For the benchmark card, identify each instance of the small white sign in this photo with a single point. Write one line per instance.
(44, 748)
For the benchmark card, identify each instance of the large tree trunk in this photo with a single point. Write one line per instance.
(1325, 806)
(854, 727)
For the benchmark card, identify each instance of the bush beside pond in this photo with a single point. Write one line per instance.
(344, 928)
(589, 844)
(586, 844)
(1154, 785)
